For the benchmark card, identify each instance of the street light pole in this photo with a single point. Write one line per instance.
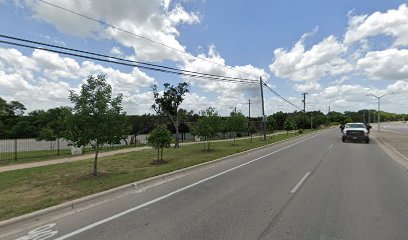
(378, 107)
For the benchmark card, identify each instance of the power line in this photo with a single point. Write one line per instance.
(178, 72)
(284, 99)
(137, 35)
(120, 59)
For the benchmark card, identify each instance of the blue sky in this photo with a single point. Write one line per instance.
(337, 51)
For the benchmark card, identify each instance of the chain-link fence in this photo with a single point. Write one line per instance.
(29, 148)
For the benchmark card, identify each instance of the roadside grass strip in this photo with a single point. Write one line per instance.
(27, 190)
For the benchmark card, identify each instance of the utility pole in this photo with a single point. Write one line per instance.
(304, 109)
(263, 109)
(249, 109)
(311, 120)
(249, 114)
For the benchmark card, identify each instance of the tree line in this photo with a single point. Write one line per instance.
(51, 124)
(97, 118)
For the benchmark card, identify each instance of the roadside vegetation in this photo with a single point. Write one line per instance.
(27, 190)
(96, 118)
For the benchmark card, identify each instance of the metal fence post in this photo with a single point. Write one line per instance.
(15, 149)
(58, 146)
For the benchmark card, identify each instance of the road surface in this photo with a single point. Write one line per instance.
(314, 187)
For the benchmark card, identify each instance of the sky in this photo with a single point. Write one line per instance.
(338, 52)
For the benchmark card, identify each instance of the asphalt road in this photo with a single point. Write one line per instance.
(315, 187)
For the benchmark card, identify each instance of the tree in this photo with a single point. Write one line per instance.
(23, 129)
(251, 129)
(289, 125)
(272, 125)
(159, 138)
(223, 127)
(15, 108)
(97, 117)
(237, 123)
(169, 103)
(53, 122)
(280, 118)
(207, 126)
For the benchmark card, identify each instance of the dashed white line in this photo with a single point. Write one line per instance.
(90, 226)
(300, 183)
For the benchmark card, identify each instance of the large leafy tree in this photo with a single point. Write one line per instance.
(159, 138)
(53, 123)
(169, 102)
(97, 117)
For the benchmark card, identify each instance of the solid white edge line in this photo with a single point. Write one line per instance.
(300, 183)
(174, 192)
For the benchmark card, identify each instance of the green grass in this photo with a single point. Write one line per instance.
(44, 155)
(27, 190)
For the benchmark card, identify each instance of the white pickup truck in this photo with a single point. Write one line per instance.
(356, 132)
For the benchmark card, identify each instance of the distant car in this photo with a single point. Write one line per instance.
(356, 132)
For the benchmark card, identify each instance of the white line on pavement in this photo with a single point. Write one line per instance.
(174, 192)
(300, 183)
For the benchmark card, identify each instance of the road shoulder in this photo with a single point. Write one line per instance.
(394, 144)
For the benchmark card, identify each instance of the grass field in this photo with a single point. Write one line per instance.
(27, 190)
(44, 155)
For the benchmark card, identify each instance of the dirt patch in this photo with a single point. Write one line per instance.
(91, 176)
(155, 162)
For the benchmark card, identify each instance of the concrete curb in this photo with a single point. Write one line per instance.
(69, 206)
(393, 150)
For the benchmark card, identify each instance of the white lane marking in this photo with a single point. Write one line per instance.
(118, 215)
(40, 233)
(300, 183)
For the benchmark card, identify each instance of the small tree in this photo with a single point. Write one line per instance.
(169, 103)
(97, 117)
(251, 129)
(272, 125)
(288, 125)
(207, 126)
(159, 138)
(237, 123)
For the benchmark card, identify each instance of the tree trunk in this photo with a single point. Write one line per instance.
(95, 167)
(158, 155)
(234, 139)
(177, 135)
(161, 156)
(205, 138)
(208, 146)
(251, 137)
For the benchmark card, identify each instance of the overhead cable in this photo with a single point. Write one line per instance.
(137, 35)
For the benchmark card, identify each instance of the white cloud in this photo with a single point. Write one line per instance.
(206, 64)
(151, 19)
(308, 86)
(54, 66)
(389, 64)
(43, 81)
(391, 23)
(12, 60)
(398, 87)
(323, 59)
(116, 51)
